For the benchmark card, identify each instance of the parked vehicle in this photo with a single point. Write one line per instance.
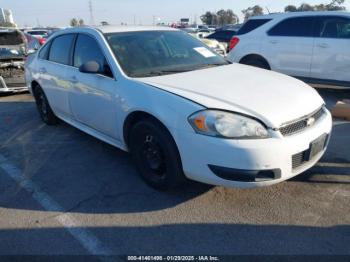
(312, 46)
(13, 50)
(32, 42)
(224, 37)
(212, 43)
(40, 34)
(180, 109)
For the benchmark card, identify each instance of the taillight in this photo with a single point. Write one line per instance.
(42, 41)
(234, 41)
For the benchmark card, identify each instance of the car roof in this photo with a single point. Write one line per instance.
(119, 29)
(297, 14)
(113, 29)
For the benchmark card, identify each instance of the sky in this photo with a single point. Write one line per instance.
(59, 12)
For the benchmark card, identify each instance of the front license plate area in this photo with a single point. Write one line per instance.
(316, 147)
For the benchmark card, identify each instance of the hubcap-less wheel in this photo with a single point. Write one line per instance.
(44, 108)
(155, 155)
(42, 105)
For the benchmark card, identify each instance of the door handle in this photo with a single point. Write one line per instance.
(42, 70)
(323, 45)
(273, 41)
(73, 79)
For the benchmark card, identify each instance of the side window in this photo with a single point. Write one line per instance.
(297, 26)
(251, 25)
(60, 51)
(44, 52)
(333, 27)
(86, 50)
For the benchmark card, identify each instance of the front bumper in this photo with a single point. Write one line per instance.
(272, 158)
(4, 88)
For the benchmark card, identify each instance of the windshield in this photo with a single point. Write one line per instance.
(151, 53)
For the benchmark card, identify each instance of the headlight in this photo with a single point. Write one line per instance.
(229, 125)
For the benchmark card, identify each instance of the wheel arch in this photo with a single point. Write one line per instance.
(135, 117)
(254, 57)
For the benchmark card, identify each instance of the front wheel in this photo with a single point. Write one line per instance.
(155, 155)
(44, 109)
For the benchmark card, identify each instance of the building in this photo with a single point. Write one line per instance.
(6, 16)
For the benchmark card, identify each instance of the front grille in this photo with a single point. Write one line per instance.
(298, 160)
(302, 124)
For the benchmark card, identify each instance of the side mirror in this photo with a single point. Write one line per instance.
(90, 67)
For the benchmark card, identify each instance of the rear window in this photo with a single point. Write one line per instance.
(251, 25)
(11, 38)
(297, 27)
(37, 32)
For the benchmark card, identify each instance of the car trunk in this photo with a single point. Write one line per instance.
(12, 57)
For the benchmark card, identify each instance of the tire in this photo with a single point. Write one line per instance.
(155, 155)
(44, 109)
(260, 63)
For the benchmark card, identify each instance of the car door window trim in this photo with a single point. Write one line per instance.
(101, 49)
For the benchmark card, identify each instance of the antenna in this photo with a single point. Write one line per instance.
(92, 20)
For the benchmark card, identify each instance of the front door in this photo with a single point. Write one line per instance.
(93, 96)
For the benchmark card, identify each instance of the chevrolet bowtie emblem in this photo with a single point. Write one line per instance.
(310, 121)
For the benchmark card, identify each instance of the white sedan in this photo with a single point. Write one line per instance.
(181, 110)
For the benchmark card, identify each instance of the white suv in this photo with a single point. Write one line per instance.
(312, 46)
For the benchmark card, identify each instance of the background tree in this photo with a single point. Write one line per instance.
(252, 11)
(209, 18)
(226, 17)
(81, 22)
(306, 7)
(334, 5)
(73, 22)
(290, 8)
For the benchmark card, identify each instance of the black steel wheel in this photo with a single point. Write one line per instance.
(155, 155)
(44, 109)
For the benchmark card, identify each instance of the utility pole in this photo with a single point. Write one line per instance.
(92, 20)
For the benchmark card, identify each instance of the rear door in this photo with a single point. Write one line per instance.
(289, 46)
(53, 65)
(331, 59)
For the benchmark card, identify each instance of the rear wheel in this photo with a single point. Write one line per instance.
(44, 109)
(257, 62)
(155, 155)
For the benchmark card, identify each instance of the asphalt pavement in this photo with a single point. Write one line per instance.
(63, 192)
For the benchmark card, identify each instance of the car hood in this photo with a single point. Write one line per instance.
(272, 97)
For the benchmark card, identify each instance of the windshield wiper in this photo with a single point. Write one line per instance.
(162, 72)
